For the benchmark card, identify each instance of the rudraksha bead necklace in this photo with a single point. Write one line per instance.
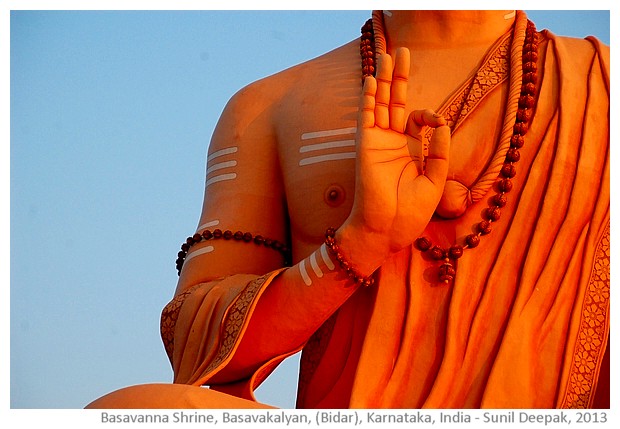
(367, 50)
(526, 104)
(245, 237)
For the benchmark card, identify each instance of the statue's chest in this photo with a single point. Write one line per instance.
(316, 143)
(317, 156)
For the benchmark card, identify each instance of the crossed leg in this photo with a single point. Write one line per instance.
(171, 396)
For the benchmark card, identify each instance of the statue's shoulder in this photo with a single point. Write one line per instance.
(295, 92)
(309, 76)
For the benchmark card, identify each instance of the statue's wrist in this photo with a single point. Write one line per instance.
(365, 251)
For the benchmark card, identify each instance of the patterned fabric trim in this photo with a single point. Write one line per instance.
(169, 316)
(234, 320)
(492, 72)
(593, 332)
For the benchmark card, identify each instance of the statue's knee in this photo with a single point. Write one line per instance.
(145, 396)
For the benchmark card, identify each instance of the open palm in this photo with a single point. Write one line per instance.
(395, 195)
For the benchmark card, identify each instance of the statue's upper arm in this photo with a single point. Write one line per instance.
(243, 190)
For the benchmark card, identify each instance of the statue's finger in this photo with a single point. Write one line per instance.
(382, 98)
(419, 119)
(438, 156)
(367, 103)
(398, 91)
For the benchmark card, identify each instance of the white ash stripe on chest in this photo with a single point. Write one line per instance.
(344, 148)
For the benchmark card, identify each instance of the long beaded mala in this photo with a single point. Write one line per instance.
(527, 101)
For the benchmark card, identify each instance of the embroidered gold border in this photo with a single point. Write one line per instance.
(234, 319)
(169, 316)
(589, 349)
(492, 73)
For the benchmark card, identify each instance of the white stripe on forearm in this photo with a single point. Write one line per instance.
(315, 267)
(326, 258)
(304, 274)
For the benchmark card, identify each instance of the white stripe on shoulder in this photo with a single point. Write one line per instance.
(221, 165)
(222, 152)
(221, 178)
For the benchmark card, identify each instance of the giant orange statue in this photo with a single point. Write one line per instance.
(436, 236)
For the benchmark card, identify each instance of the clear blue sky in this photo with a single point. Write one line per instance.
(111, 115)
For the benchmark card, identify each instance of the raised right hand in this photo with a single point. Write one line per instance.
(394, 197)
